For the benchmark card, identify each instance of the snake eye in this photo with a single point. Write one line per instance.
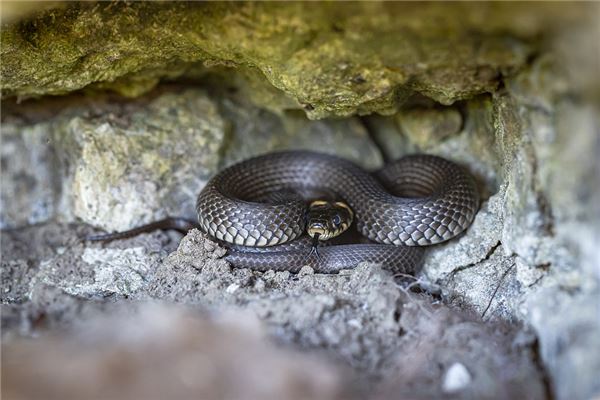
(336, 220)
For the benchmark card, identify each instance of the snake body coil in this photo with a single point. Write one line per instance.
(416, 201)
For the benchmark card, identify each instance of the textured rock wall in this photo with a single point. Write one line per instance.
(505, 90)
(115, 165)
(328, 60)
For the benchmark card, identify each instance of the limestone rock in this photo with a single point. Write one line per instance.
(29, 180)
(534, 232)
(329, 60)
(111, 165)
(425, 127)
(124, 168)
(115, 165)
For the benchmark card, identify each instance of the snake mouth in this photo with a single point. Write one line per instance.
(319, 233)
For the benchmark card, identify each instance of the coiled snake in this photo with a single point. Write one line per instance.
(416, 201)
(258, 208)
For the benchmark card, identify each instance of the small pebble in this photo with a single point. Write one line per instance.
(232, 288)
(355, 323)
(456, 379)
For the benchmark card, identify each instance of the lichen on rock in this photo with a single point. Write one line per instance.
(329, 60)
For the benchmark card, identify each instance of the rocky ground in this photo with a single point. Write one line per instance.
(355, 334)
(508, 310)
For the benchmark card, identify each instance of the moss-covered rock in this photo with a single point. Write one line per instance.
(330, 59)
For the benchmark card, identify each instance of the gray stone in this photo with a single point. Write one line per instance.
(75, 269)
(256, 131)
(564, 304)
(110, 165)
(536, 232)
(16, 277)
(427, 126)
(23, 250)
(29, 180)
(140, 165)
(117, 166)
(468, 143)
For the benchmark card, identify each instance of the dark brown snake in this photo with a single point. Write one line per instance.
(416, 201)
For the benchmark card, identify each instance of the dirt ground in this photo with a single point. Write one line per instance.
(159, 302)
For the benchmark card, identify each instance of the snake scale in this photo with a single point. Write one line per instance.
(417, 201)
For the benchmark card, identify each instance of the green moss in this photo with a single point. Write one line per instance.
(329, 59)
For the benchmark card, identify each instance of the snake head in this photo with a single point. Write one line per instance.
(327, 219)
